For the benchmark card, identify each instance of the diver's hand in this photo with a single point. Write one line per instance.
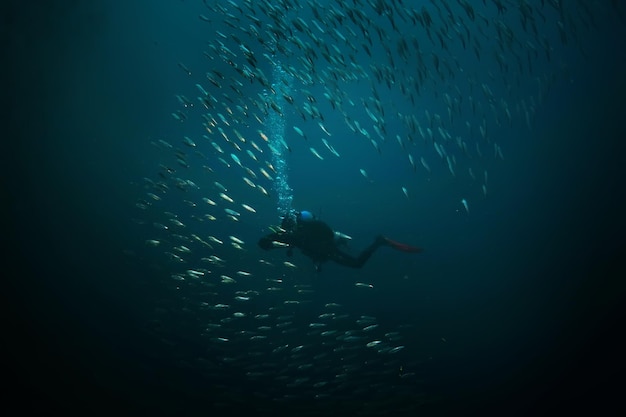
(265, 243)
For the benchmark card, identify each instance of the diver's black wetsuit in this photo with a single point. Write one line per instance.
(317, 241)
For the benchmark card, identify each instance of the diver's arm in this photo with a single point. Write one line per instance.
(275, 240)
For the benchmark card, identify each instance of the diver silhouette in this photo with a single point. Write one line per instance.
(315, 239)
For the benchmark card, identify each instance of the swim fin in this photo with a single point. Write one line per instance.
(402, 246)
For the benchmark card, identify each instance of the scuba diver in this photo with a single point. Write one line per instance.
(315, 239)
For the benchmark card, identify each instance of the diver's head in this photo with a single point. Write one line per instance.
(305, 216)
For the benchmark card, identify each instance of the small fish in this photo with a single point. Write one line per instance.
(263, 190)
(182, 249)
(371, 115)
(405, 191)
(330, 148)
(177, 223)
(165, 143)
(263, 136)
(215, 259)
(184, 68)
(189, 142)
(317, 155)
(375, 144)
(194, 274)
(266, 174)
(215, 240)
(450, 166)
(227, 280)
(251, 155)
(232, 212)
(396, 349)
(255, 146)
(299, 131)
(323, 128)
(220, 339)
(277, 244)
(400, 142)
(226, 197)
(217, 147)
(220, 186)
(249, 182)
(236, 159)
(464, 202)
(160, 226)
(249, 208)
(236, 240)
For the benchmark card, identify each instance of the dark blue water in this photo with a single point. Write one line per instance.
(526, 289)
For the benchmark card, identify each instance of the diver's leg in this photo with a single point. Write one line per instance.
(344, 259)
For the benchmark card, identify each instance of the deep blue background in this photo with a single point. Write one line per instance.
(533, 285)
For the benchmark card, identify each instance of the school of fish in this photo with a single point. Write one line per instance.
(430, 87)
